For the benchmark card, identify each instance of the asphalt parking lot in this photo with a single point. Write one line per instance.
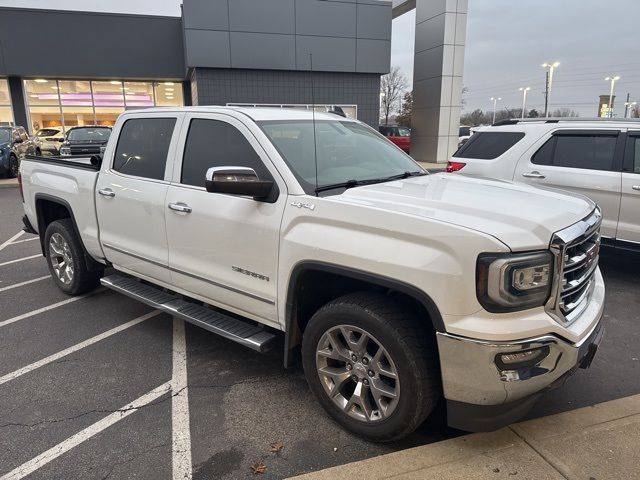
(85, 384)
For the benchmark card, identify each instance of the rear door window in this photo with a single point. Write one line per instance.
(488, 145)
(143, 146)
(591, 152)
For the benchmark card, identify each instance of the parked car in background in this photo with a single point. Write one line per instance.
(597, 158)
(401, 136)
(394, 287)
(85, 141)
(50, 139)
(15, 143)
(464, 134)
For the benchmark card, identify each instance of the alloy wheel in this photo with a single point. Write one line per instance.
(357, 373)
(61, 258)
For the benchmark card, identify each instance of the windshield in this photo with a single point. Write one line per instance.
(346, 151)
(47, 132)
(5, 135)
(98, 134)
(404, 132)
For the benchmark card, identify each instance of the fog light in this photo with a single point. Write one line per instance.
(516, 360)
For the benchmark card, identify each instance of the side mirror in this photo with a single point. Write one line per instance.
(237, 181)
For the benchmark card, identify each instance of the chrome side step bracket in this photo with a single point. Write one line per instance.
(224, 325)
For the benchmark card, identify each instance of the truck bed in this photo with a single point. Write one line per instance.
(67, 181)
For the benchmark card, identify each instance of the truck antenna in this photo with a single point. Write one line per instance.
(313, 120)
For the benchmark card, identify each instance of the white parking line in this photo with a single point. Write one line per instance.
(20, 260)
(8, 242)
(25, 240)
(44, 309)
(79, 346)
(34, 464)
(181, 434)
(22, 284)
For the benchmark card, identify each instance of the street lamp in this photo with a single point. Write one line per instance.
(524, 91)
(551, 66)
(613, 79)
(628, 108)
(495, 100)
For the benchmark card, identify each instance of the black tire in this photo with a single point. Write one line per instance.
(82, 279)
(14, 166)
(410, 344)
(38, 152)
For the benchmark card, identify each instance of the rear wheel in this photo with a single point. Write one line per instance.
(65, 258)
(371, 365)
(14, 166)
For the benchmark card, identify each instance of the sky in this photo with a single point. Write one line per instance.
(507, 42)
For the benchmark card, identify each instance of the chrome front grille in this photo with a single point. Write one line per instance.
(576, 250)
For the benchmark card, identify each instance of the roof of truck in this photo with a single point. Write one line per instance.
(255, 113)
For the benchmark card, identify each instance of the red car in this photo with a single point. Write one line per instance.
(401, 136)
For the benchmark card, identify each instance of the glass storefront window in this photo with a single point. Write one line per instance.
(168, 94)
(6, 114)
(71, 103)
(138, 95)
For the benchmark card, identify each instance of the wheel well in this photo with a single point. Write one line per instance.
(314, 286)
(49, 210)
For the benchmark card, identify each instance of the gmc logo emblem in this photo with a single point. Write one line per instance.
(592, 254)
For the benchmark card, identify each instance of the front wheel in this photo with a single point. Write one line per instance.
(371, 365)
(65, 258)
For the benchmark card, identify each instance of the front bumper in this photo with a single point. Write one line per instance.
(481, 395)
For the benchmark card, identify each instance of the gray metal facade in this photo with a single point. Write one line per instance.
(253, 51)
(342, 35)
(213, 86)
(61, 44)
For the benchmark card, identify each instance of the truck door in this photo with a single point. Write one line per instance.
(223, 248)
(583, 161)
(130, 195)
(629, 223)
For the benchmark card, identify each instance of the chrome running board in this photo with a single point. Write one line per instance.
(224, 325)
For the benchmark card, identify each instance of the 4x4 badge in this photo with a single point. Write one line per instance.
(309, 206)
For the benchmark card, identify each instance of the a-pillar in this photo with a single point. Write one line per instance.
(437, 78)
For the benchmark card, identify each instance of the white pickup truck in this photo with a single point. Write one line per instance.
(394, 287)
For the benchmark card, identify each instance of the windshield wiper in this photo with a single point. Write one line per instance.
(358, 183)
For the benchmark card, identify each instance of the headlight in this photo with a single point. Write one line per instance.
(511, 282)
(65, 151)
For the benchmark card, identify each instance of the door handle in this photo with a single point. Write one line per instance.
(180, 207)
(107, 192)
(534, 174)
(636, 187)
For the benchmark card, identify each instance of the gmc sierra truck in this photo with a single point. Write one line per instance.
(394, 287)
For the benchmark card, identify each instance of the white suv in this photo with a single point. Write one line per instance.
(599, 158)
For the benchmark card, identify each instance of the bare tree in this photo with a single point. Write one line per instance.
(392, 86)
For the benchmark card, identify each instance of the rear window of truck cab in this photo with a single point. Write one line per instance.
(488, 145)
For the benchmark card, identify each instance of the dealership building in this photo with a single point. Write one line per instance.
(79, 68)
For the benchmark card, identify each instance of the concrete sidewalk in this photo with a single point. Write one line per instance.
(599, 442)
(433, 167)
(8, 182)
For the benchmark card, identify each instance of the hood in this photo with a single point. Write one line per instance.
(86, 142)
(521, 216)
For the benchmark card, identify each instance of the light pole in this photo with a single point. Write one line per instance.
(495, 100)
(524, 91)
(551, 66)
(613, 79)
(628, 108)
